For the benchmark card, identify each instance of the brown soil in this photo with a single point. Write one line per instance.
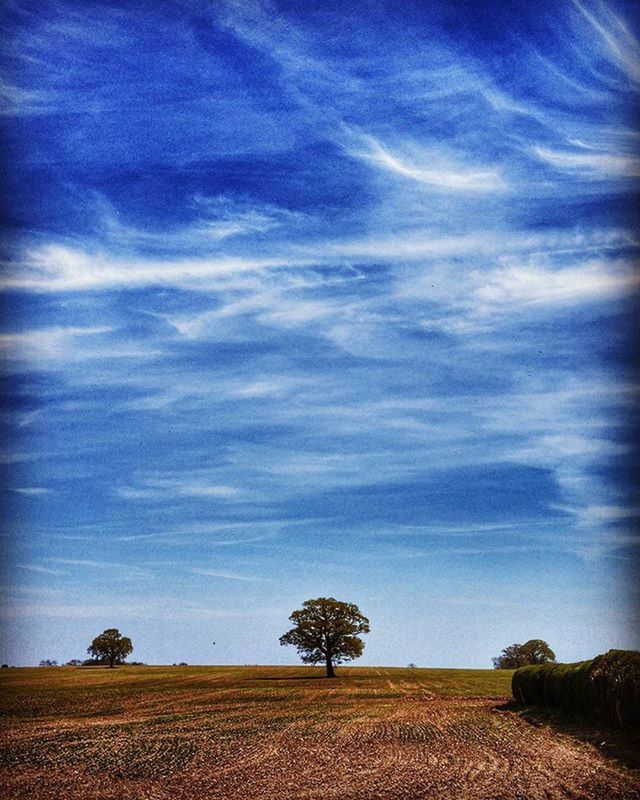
(314, 741)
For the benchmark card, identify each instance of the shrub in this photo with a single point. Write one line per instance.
(615, 682)
(606, 688)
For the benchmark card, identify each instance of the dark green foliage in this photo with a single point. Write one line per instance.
(326, 631)
(606, 688)
(111, 647)
(535, 651)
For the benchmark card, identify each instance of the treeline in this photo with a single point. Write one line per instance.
(606, 688)
(92, 662)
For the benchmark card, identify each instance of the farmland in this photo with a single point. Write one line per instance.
(244, 733)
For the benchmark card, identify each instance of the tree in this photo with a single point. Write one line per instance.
(535, 651)
(326, 631)
(110, 646)
(48, 662)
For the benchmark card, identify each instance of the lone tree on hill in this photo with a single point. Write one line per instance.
(326, 631)
(535, 651)
(110, 646)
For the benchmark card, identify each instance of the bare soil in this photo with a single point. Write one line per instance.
(270, 733)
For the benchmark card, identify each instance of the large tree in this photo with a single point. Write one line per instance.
(326, 632)
(110, 646)
(535, 651)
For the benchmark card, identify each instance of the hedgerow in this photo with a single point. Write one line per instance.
(605, 688)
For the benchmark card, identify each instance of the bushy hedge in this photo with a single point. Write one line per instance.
(606, 688)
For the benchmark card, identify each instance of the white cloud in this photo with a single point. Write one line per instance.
(537, 285)
(219, 218)
(96, 564)
(611, 512)
(57, 268)
(439, 173)
(417, 245)
(200, 490)
(46, 343)
(469, 299)
(622, 46)
(170, 487)
(169, 609)
(15, 101)
(599, 166)
(265, 388)
(32, 491)
(232, 576)
(43, 570)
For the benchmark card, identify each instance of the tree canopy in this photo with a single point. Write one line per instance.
(110, 646)
(535, 651)
(326, 632)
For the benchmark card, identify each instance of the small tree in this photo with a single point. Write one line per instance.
(535, 651)
(48, 662)
(326, 631)
(110, 646)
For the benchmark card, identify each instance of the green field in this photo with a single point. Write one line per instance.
(285, 732)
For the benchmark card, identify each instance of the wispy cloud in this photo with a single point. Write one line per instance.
(42, 570)
(621, 45)
(232, 576)
(97, 564)
(597, 166)
(469, 299)
(371, 327)
(437, 174)
(48, 343)
(170, 487)
(16, 102)
(56, 268)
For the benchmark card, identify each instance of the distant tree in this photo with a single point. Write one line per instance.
(48, 662)
(535, 651)
(326, 631)
(111, 646)
(75, 662)
(412, 665)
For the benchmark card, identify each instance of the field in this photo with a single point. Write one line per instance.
(243, 733)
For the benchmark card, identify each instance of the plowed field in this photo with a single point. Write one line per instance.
(243, 733)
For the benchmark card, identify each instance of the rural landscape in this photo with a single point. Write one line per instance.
(319, 414)
(108, 730)
(265, 733)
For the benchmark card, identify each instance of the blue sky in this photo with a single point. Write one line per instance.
(308, 299)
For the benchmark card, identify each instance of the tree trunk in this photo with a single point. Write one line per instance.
(111, 660)
(330, 672)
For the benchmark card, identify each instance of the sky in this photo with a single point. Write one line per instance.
(319, 299)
